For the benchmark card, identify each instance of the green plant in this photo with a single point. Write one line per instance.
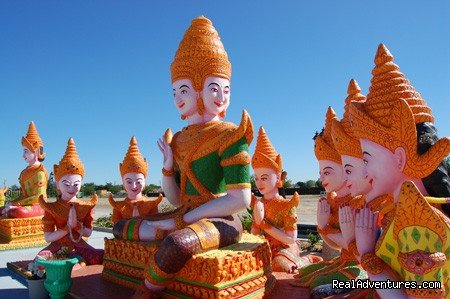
(104, 221)
(246, 220)
(313, 239)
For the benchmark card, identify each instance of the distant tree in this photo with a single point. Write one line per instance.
(287, 184)
(319, 184)
(151, 188)
(300, 184)
(88, 189)
(252, 181)
(51, 187)
(311, 184)
(447, 163)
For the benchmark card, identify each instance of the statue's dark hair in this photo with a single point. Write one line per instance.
(438, 182)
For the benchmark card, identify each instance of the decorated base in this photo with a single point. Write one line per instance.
(239, 270)
(17, 233)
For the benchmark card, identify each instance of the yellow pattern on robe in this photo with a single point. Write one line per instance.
(407, 244)
(33, 183)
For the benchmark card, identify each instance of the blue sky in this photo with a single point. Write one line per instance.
(98, 71)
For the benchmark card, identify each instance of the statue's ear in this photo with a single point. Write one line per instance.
(400, 155)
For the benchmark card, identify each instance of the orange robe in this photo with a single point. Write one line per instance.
(124, 209)
(55, 217)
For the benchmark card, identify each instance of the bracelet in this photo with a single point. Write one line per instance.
(372, 263)
(168, 172)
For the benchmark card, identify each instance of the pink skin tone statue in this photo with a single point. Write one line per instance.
(332, 176)
(133, 183)
(384, 170)
(69, 186)
(32, 160)
(266, 181)
(216, 98)
(358, 184)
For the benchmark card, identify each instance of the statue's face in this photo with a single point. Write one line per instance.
(69, 186)
(331, 175)
(185, 97)
(266, 180)
(357, 182)
(381, 168)
(29, 156)
(216, 95)
(133, 183)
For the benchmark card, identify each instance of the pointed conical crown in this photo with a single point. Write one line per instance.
(265, 154)
(343, 139)
(388, 84)
(70, 162)
(200, 54)
(323, 143)
(33, 141)
(133, 161)
(390, 114)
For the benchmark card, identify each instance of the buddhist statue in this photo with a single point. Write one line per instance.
(206, 176)
(68, 220)
(273, 215)
(33, 179)
(402, 156)
(345, 266)
(133, 170)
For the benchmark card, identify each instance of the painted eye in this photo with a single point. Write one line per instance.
(326, 173)
(226, 91)
(213, 89)
(348, 172)
(365, 161)
(184, 92)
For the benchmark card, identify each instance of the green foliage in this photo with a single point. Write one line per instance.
(311, 184)
(319, 183)
(253, 182)
(246, 220)
(87, 189)
(300, 185)
(447, 163)
(104, 221)
(287, 184)
(151, 188)
(313, 239)
(51, 186)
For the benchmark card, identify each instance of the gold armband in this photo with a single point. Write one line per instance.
(372, 263)
(167, 172)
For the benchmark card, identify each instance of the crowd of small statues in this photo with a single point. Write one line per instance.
(386, 209)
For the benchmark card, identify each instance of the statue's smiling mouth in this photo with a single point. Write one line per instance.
(219, 104)
(181, 105)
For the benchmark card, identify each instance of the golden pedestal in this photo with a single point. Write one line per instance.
(16, 233)
(236, 271)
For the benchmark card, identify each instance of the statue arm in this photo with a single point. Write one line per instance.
(50, 234)
(40, 188)
(171, 188)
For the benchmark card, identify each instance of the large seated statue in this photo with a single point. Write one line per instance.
(33, 179)
(206, 176)
(403, 156)
(20, 223)
(345, 266)
(133, 170)
(273, 215)
(68, 219)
